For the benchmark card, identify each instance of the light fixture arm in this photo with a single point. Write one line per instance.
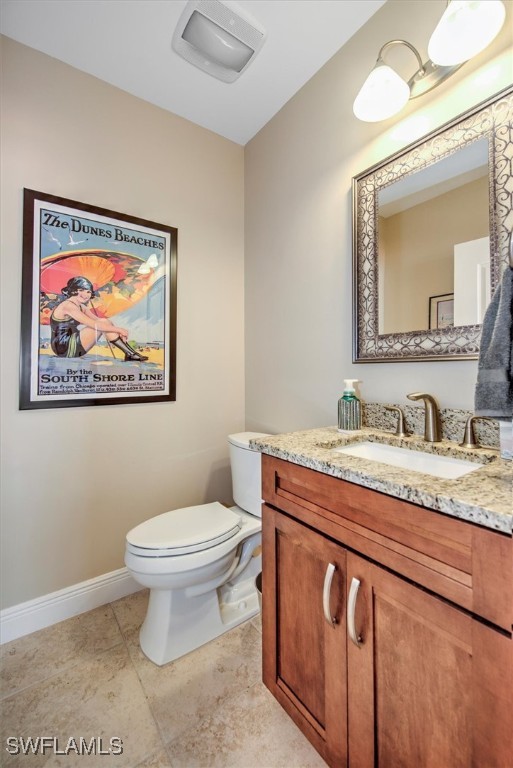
(412, 48)
(427, 76)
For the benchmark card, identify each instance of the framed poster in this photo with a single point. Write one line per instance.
(98, 306)
(441, 311)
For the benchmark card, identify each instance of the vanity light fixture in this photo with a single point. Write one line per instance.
(466, 28)
(218, 38)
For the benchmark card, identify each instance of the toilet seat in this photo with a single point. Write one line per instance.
(184, 531)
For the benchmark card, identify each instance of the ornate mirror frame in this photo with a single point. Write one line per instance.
(493, 120)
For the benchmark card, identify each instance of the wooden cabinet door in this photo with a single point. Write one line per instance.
(428, 685)
(304, 635)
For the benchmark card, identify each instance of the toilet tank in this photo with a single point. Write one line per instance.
(246, 473)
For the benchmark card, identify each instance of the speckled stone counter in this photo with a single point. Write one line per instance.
(484, 497)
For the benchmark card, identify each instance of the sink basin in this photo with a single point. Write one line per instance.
(415, 461)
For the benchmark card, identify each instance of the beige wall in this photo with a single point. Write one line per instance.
(298, 172)
(67, 133)
(418, 251)
(75, 480)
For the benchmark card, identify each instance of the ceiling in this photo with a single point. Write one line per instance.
(127, 43)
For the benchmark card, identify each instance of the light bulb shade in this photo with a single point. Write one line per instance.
(382, 95)
(465, 29)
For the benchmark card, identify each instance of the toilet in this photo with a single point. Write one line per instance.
(200, 563)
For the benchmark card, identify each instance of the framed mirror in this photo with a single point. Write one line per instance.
(431, 226)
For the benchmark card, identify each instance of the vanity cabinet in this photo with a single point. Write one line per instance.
(428, 683)
(304, 658)
(386, 627)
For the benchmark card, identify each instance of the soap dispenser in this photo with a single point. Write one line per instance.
(349, 408)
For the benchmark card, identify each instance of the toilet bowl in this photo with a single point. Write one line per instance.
(200, 563)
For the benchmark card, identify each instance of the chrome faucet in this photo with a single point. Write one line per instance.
(433, 427)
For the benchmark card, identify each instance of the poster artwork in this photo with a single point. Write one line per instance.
(99, 306)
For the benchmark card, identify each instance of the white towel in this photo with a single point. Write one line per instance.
(494, 388)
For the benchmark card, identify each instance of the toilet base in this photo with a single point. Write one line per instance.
(177, 623)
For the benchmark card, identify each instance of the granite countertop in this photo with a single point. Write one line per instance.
(484, 497)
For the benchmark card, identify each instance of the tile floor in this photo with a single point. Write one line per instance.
(87, 677)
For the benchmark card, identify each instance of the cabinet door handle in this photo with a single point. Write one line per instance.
(326, 592)
(351, 608)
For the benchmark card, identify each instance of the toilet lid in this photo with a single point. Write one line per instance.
(189, 529)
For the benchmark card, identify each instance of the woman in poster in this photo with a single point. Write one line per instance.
(75, 328)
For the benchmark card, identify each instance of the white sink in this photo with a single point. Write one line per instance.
(415, 461)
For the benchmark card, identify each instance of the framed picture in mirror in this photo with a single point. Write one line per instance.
(441, 311)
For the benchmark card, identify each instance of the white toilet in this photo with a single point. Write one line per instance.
(200, 563)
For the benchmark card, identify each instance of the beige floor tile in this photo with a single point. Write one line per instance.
(158, 760)
(130, 611)
(42, 654)
(97, 697)
(257, 622)
(249, 731)
(79, 678)
(190, 688)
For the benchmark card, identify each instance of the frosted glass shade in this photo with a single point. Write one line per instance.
(382, 95)
(465, 29)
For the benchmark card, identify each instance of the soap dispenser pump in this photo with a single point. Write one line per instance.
(349, 408)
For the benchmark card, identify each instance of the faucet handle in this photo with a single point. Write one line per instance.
(469, 436)
(400, 431)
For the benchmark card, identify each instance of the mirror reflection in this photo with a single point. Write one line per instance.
(431, 229)
(433, 238)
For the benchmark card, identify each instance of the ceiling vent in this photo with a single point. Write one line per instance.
(217, 38)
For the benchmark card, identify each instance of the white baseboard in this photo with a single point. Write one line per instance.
(49, 609)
